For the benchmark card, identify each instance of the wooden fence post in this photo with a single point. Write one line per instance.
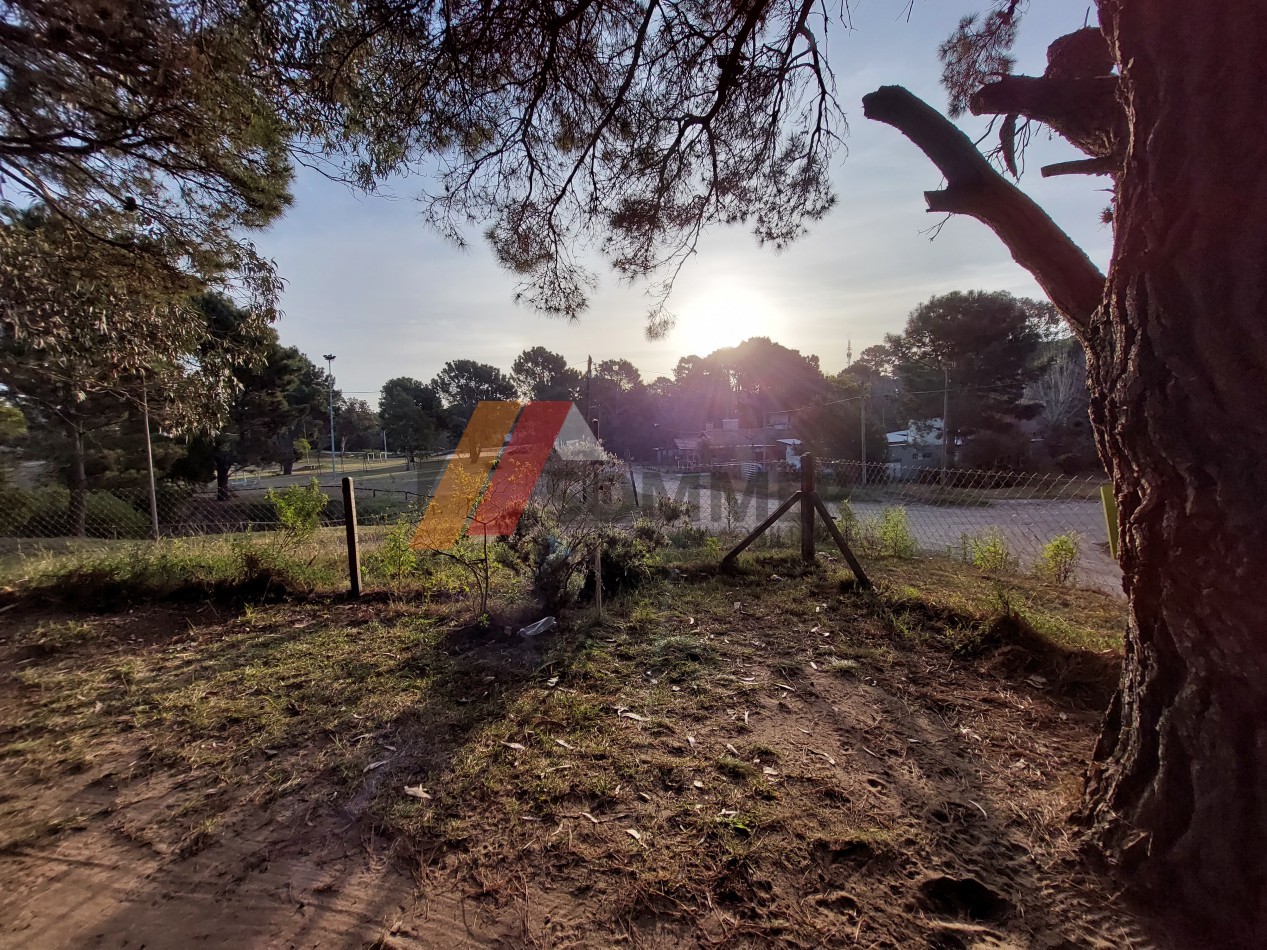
(808, 495)
(354, 550)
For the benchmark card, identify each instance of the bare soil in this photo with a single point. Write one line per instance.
(773, 758)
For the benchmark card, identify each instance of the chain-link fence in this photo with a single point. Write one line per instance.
(1004, 521)
(1000, 521)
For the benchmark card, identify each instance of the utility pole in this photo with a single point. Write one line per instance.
(945, 418)
(149, 459)
(862, 430)
(589, 387)
(329, 358)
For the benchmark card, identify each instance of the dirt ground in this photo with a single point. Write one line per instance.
(772, 759)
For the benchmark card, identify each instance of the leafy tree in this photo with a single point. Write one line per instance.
(981, 346)
(618, 399)
(462, 384)
(89, 333)
(832, 425)
(411, 412)
(151, 111)
(355, 424)
(538, 373)
(1064, 405)
(644, 122)
(273, 398)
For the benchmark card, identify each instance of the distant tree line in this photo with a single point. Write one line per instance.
(1014, 386)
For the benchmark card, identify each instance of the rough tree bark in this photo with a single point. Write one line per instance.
(224, 466)
(1177, 354)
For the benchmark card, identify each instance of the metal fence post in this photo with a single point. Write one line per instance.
(354, 551)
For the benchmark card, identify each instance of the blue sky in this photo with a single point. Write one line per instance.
(368, 281)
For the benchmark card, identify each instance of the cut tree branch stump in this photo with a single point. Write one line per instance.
(975, 188)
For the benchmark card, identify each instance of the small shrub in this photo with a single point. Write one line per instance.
(690, 536)
(1058, 561)
(734, 512)
(671, 511)
(989, 552)
(847, 520)
(298, 510)
(889, 535)
(394, 558)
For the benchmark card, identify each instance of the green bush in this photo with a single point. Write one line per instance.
(847, 520)
(45, 513)
(394, 558)
(989, 552)
(298, 510)
(181, 570)
(1059, 559)
(888, 536)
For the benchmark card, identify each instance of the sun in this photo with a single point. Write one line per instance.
(724, 315)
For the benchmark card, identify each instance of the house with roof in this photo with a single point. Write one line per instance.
(917, 446)
(725, 443)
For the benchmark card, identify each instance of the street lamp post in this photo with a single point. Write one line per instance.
(329, 358)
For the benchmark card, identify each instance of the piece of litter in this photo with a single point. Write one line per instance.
(731, 749)
(518, 747)
(373, 765)
(749, 679)
(690, 621)
(691, 740)
(698, 784)
(552, 681)
(745, 718)
(738, 604)
(775, 577)
(564, 744)
(541, 626)
(633, 833)
(417, 791)
(766, 770)
(814, 629)
(813, 665)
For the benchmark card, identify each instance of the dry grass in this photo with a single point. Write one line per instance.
(725, 758)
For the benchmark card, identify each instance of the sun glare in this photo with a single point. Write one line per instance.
(724, 316)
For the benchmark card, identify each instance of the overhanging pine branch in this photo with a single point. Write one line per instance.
(973, 187)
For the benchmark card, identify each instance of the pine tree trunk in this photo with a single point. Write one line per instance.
(1177, 794)
(288, 466)
(77, 516)
(223, 465)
